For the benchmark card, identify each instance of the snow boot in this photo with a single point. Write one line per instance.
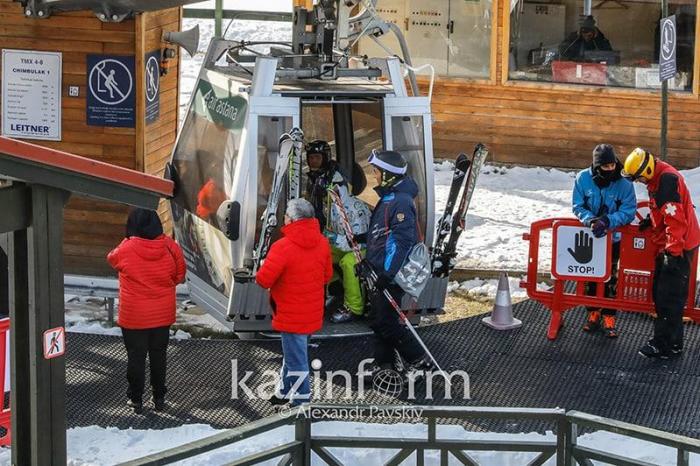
(593, 322)
(651, 350)
(136, 406)
(609, 329)
(159, 404)
(343, 314)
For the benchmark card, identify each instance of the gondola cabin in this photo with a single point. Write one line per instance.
(227, 149)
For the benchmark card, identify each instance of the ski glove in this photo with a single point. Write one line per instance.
(673, 263)
(645, 223)
(600, 226)
(365, 271)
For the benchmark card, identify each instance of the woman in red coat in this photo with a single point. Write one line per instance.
(296, 271)
(150, 266)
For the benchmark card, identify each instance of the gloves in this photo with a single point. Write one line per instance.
(600, 226)
(673, 263)
(364, 270)
(645, 223)
(589, 223)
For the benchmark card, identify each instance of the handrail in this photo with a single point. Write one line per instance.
(564, 447)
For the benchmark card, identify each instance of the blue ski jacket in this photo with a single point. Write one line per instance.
(393, 229)
(617, 201)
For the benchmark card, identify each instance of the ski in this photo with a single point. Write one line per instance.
(269, 218)
(444, 225)
(371, 281)
(445, 262)
(295, 163)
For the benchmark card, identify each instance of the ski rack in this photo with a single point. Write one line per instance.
(634, 285)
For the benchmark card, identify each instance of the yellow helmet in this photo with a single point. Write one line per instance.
(639, 164)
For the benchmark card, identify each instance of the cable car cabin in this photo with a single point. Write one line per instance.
(226, 153)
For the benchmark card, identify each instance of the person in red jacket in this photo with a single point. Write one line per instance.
(296, 270)
(676, 234)
(150, 266)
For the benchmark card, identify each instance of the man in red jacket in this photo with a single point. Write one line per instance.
(677, 235)
(150, 266)
(296, 270)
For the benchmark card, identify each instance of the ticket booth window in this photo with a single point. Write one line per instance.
(452, 35)
(617, 45)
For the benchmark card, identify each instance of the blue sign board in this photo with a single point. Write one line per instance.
(111, 97)
(152, 76)
(667, 48)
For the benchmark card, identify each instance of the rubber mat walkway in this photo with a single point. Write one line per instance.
(520, 368)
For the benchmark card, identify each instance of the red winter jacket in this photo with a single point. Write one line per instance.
(296, 271)
(672, 213)
(149, 270)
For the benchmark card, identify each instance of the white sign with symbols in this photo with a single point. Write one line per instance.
(579, 254)
(54, 342)
(31, 94)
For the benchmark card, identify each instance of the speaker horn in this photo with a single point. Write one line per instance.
(188, 40)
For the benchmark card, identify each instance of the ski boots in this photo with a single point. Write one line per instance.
(609, 329)
(651, 350)
(343, 314)
(593, 322)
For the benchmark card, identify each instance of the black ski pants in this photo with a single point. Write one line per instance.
(389, 333)
(670, 293)
(610, 285)
(139, 343)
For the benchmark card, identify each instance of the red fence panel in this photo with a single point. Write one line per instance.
(635, 278)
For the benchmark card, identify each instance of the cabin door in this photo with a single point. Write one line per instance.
(408, 130)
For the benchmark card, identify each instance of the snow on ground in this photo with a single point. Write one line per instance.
(97, 446)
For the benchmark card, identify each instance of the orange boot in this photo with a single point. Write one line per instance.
(593, 322)
(609, 327)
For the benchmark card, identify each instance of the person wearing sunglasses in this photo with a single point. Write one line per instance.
(676, 235)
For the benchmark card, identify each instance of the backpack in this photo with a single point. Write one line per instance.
(413, 275)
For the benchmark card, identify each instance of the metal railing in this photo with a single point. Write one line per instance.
(298, 451)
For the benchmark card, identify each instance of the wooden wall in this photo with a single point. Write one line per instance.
(557, 125)
(93, 228)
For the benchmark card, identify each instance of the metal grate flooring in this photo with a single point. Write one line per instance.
(520, 368)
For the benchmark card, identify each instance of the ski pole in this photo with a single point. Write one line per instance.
(372, 280)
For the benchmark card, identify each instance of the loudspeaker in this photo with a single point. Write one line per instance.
(188, 40)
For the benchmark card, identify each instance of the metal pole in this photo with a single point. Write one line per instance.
(664, 98)
(218, 17)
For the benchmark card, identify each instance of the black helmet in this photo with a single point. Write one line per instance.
(319, 147)
(389, 161)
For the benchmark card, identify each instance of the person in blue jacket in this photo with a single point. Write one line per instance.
(393, 231)
(603, 200)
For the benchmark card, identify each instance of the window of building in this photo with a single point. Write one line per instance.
(452, 35)
(616, 45)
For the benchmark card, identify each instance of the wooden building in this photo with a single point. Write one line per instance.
(93, 228)
(497, 64)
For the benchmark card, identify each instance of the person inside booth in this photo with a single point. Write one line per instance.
(676, 234)
(587, 39)
(603, 200)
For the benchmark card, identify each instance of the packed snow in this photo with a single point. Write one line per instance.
(98, 446)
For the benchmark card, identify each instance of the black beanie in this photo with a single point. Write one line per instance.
(602, 154)
(143, 224)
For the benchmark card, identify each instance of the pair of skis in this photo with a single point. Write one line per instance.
(287, 168)
(452, 223)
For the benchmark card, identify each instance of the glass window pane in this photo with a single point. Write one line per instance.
(205, 158)
(269, 131)
(408, 138)
(615, 46)
(470, 38)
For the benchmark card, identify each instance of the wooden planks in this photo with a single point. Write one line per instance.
(93, 228)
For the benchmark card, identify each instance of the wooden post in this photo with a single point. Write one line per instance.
(44, 310)
(19, 338)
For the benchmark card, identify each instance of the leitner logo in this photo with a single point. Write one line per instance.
(29, 128)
